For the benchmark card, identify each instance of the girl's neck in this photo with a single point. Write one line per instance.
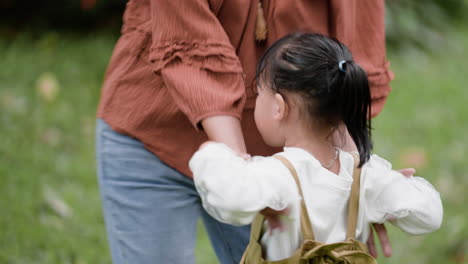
(317, 142)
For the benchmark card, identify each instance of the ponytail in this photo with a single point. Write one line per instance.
(354, 101)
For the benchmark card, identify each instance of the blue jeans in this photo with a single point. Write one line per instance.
(151, 210)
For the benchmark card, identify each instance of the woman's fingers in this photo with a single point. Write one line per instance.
(408, 172)
(371, 244)
(384, 241)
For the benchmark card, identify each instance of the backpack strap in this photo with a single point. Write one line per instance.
(306, 225)
(257, 225)
(353, 206)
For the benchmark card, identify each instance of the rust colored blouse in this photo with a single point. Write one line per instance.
(180, 61)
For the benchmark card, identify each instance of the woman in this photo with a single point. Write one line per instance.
(181, 74)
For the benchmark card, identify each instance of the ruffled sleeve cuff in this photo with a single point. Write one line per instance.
(215, 57)
(379, 79)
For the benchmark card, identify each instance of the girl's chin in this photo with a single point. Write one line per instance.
(275, 143)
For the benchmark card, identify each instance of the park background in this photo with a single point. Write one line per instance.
(53, 55)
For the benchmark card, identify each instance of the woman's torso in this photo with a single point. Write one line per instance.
(136, 102)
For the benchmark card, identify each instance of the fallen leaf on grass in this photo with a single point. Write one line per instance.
(56, 203)
(48, 86)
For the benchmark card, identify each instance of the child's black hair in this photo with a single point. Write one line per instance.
(323, 72)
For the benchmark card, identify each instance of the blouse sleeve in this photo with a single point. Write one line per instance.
(361, 26)
(411, 203)
(193, 55)
(234, 190)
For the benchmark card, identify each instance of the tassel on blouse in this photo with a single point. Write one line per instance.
(261, 30)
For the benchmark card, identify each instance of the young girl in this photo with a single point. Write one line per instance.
(309, 91)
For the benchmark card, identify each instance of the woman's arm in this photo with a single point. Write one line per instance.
(199, 66)
(227, 130)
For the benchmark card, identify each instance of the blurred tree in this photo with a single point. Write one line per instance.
(409, 22)
(61, 14)
(87, 4)
(422, 23)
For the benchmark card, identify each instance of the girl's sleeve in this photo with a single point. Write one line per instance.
(411, 203)
(234, 190)
(193, 55)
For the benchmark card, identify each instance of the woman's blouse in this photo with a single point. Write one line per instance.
(178, 62)
(234, 190)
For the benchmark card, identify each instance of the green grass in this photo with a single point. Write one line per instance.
(48, 145)
(48, 191)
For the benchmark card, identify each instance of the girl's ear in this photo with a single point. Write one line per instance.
(280, 110)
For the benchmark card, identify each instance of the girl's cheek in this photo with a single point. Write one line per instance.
(256, 112)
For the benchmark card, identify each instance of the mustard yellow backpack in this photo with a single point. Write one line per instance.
(350, 251)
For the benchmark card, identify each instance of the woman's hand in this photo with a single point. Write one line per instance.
(383, 238)
(407, 172)
(273, 217)
(382, 231)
